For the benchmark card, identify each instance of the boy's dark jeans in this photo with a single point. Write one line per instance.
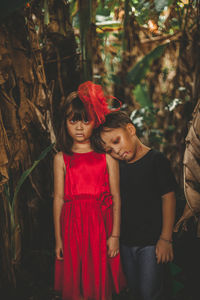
(145, 277)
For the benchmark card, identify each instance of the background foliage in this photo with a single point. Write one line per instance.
(143, 52)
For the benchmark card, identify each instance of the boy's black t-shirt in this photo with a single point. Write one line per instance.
(142, 184)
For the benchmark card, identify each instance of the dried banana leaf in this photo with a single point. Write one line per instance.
(192, 172)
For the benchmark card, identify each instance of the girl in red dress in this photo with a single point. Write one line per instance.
(86, 204)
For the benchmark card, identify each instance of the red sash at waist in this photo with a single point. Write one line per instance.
(104, 199)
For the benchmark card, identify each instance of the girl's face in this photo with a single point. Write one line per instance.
(80, 130)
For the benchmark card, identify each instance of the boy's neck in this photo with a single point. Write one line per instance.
(141, 150)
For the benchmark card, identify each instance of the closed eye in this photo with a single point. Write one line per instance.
(116, 141)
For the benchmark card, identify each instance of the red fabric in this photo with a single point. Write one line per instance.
(86, 223)
(95, 101)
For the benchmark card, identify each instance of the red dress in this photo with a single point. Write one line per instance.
(86, 223)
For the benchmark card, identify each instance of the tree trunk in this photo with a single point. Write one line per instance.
(38, 68)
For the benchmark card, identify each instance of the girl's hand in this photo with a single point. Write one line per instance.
(59, 251)
(113, 246)
(164, 251)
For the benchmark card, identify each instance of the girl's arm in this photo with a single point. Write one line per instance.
(59, 175)
(164, 249)
(113, 240)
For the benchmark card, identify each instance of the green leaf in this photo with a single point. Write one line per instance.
(7, 192)
(176, 286)
(141, 95)
(143, 66)
(115, 79)
(28, 171)
(109, 25)
(46, 12)
(103, 11)
(174, 269)
(171, 127)
(73, 8)
(161, 4)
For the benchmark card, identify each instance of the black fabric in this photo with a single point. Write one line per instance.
(142, 185)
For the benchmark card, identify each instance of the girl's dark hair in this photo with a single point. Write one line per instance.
(116, 119)
(72, 109)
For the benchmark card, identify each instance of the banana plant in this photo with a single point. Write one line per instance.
(11, 198)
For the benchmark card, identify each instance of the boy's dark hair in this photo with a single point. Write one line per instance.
(116, 119)
(72, 109)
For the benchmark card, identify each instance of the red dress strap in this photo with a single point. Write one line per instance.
(65, 158)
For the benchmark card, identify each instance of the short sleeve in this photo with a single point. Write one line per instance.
(165, 177)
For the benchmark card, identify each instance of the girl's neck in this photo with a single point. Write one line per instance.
(82, 147)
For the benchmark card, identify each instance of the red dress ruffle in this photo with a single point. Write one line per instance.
(86, 222)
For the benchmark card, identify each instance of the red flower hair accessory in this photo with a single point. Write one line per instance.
(95, 101)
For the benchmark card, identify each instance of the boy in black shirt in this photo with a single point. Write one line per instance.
(148, 205)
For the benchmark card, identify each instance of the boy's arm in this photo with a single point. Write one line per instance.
(58, 201)
(113, 240)
(164, 249)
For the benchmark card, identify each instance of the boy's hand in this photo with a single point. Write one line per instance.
(113, 246)
(59, 250)
(164, 252)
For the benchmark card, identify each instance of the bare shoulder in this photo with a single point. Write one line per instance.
(111, 162)
(58, 159)
(113, 171)
(58, 156)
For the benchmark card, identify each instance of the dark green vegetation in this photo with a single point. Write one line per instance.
(146, 53)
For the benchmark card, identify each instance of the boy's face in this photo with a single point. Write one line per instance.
(120, 143)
